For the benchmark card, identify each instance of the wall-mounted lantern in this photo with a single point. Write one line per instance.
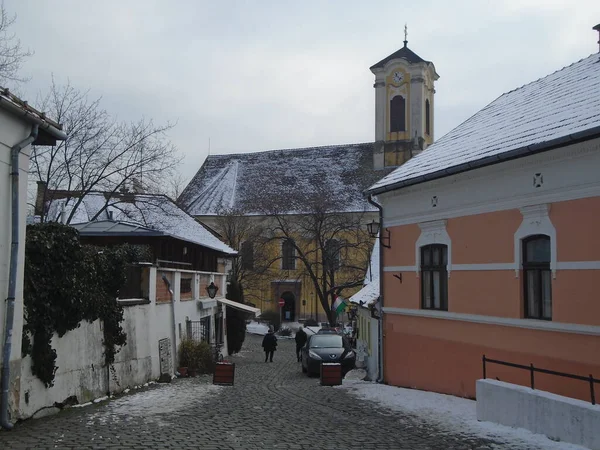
(373, 230)
(212, 289)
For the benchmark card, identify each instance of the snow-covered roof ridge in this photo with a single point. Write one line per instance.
(155, 211)
(343, 171)
(299, 149)
(562, 106)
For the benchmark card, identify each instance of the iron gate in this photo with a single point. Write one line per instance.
(199, 330)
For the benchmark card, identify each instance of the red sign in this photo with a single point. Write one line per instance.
(281, 302)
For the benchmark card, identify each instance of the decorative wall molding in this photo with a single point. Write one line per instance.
(483, 267)
(578, 265)
(566, 265)
(535, 221)
(500, 187)
(530, 324)
(400, 268)
(433, 233)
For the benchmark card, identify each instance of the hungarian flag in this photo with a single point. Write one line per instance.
(339, 305)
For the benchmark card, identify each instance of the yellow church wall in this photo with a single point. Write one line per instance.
(271, 284)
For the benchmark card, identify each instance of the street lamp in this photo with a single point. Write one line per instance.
(212, 289)
(373, 229)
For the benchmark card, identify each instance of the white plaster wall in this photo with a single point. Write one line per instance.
(559, 418)
(12, 131)
(80, 371)
(368, 360)
(80, 360)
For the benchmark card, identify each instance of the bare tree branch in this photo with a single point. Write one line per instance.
(100, 153)
(12, 55)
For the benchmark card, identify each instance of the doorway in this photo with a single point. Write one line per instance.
(288, 310)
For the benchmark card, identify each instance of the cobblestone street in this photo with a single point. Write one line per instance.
(271, 406)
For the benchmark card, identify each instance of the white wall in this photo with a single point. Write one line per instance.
(80, 361)
(559, 418)
(367, 349)
(12, 131)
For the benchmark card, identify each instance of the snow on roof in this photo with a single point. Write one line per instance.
(154, 211)
(554, 107)
(243, 181)
(370, 292)
(373, 270)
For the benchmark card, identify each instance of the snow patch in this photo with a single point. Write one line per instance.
(450, 413)
(154, 404)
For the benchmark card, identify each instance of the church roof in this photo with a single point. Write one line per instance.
(404, 53)
(243, 181)
(559, 109)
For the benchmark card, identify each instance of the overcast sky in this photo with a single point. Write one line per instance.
(265, 74)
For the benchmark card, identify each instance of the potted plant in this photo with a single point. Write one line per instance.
(186, 356)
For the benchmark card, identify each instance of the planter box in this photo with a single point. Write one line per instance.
(224, 374)
(331, 374)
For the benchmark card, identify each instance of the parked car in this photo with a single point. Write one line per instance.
(328, 331)
(327, 348)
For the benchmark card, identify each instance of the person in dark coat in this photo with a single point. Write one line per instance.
(269, 344)
(301, 339)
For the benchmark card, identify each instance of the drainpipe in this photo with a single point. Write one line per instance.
(12, 277)
(171, 294)
(380, 333)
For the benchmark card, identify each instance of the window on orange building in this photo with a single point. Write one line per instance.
(434, 277)
(537, 277)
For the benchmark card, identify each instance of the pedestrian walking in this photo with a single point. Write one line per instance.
(301, 339)
(269, 344)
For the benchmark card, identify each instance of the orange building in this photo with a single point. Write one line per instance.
(494, 236)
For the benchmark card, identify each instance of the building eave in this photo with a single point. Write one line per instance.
(582, 136)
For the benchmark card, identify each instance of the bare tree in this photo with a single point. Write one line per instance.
(331, 246)
(245, 234)
(12, 55)
(99, 154)
(175, 186)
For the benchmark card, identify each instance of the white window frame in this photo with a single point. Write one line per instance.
(433, 233)
(536, 220)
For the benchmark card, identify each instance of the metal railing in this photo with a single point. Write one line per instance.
(532, 369)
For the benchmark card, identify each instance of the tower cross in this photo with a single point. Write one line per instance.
(405, 35)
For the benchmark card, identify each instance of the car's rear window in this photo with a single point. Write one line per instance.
(326, 340)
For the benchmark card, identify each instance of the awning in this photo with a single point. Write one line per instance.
(250, 309)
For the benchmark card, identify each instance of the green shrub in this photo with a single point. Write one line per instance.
(196, 356)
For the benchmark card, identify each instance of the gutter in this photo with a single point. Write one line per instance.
(533, 149)
(32, 118)
(12, 277)
(380, 331)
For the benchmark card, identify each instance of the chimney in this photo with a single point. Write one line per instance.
(40, 198)
(597, 28)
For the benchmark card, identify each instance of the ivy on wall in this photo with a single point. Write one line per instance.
(66, 283)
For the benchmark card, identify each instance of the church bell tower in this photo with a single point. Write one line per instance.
(404, 113)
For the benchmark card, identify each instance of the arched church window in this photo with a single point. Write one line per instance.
(427, 118)
(398, 114)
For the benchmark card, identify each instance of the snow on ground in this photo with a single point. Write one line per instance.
(262, 328)
(257, 328)
(151, 404)
(450, 413)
